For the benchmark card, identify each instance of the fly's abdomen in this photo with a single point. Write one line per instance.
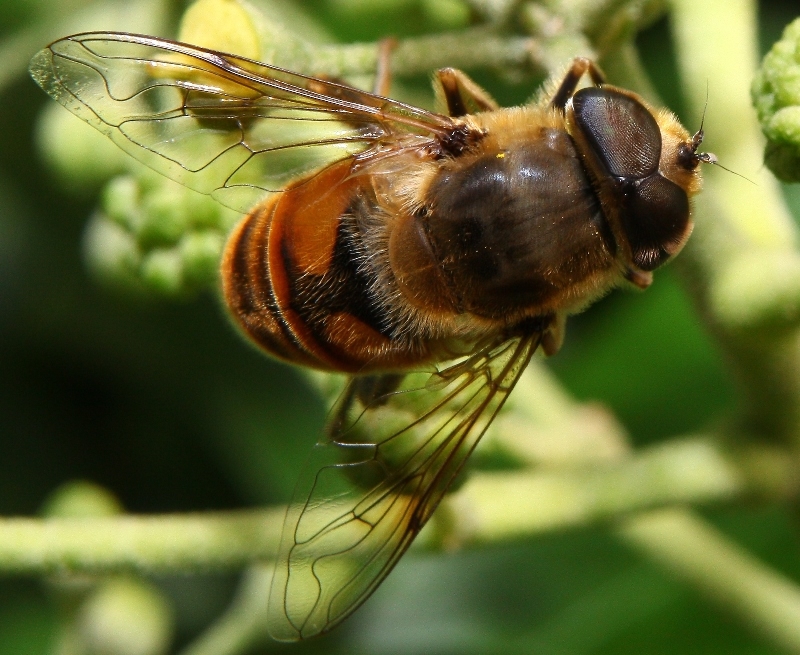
(247, 287)
(292, 279)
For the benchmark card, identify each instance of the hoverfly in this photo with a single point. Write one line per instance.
(428, 255)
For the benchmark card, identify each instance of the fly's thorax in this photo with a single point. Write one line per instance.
(641, 162)
(512, 228)
(416, 268)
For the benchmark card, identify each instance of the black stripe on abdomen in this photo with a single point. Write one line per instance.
(248, 289)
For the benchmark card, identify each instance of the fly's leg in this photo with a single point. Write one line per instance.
(383, 73)
(580, 66)
(359, 393)
(383, 77)
(458, 95)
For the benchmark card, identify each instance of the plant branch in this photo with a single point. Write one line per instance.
(727, 574)
(690, 470)
(471, 48)
(244, 623)
(266, 37)
(171, 542)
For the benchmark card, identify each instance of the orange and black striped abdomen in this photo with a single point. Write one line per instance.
(292, 278)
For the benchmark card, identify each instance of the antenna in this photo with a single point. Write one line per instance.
(710, 157)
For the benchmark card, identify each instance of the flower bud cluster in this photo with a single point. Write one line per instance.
(776, 97)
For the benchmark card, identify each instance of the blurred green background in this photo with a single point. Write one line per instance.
(162, 403)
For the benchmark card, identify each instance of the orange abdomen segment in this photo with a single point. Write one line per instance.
(248, 289)
(292, 279)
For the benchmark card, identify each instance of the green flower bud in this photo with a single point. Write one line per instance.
(81, 156)
(205, 212)
(120, 202)
(156, 234)
(164, 215)
(81, 499)
(126, 617)
(200, 253)
(111, 252)
(776, 97)
(162, 271)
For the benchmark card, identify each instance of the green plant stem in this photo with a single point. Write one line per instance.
(616, 22)
(695, 470)
(219, 540)
(674, 538)
(704, 558)
(623, 66)
(472, 48)
(477, 47)
(244, 623)
(679, 471)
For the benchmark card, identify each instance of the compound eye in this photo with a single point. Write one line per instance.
(622, 133)
(655, 217)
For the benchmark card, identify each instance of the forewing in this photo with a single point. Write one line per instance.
(376, 481)
(220, 124)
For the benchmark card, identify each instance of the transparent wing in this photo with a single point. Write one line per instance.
(378, 478)
(220, 124)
